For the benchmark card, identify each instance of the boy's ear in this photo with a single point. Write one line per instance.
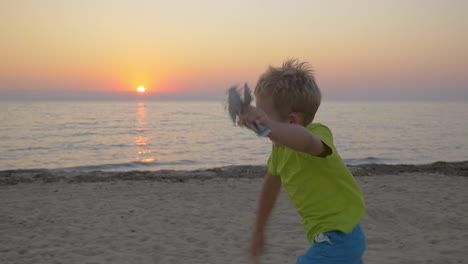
(296, 118)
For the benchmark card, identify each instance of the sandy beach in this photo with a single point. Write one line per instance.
(415, 214)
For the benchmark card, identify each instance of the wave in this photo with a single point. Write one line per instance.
(28, 149)
(126, 166)
(135, 165)
(367, 160)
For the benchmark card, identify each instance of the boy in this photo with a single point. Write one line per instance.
(305, 161)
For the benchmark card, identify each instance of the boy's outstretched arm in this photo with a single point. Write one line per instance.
(270, 190)
(297, 138)
(291, 135)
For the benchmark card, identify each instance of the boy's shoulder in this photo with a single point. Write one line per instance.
(322, 131)
(317, 126)
(284, 161)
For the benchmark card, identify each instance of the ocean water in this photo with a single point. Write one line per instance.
(195, 135)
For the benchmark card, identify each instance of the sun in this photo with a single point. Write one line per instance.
(141, 89)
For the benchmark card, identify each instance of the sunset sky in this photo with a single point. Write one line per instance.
(360, 50)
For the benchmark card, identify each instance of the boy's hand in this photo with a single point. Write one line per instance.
(257, 245)
(251, 114)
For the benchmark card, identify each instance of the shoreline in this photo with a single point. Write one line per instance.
(12, 177)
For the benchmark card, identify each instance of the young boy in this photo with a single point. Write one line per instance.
(305, 161)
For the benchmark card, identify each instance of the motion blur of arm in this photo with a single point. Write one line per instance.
(291, 135)
(270, 190)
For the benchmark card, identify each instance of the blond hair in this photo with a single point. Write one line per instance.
(292, 88)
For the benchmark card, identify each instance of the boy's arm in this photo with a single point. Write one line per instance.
(296, 137)
(270, 190)
(291, 135)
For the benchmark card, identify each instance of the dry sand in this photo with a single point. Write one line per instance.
(415, 214)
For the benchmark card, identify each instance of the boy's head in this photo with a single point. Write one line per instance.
(290, 90)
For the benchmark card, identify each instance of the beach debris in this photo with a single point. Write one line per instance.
(235, 103)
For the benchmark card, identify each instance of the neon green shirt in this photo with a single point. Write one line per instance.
(323, 190)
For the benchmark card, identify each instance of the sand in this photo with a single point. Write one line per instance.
(415, 214)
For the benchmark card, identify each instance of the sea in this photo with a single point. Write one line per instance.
(191, 135)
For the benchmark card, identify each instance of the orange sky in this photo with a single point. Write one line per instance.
(399, 49)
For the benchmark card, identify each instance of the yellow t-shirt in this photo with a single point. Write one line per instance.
(323, 190)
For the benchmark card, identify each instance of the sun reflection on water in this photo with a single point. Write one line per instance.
(141, 115)
(141, 140)
(144, 154)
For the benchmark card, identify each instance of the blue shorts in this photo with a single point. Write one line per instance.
(336, 247)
